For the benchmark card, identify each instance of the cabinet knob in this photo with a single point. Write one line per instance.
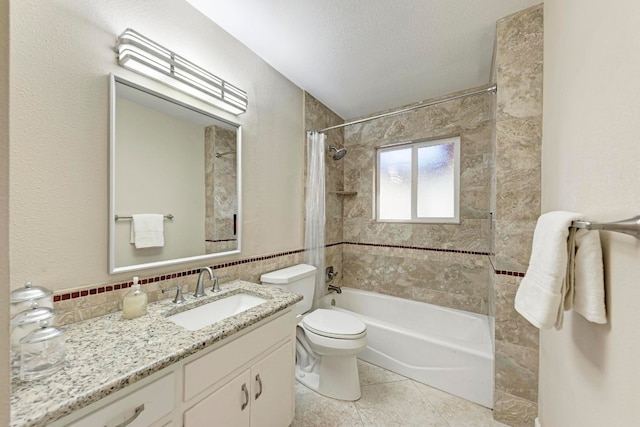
(246, 397)
(259, 385)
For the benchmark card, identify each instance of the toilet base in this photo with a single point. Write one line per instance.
(335, 377)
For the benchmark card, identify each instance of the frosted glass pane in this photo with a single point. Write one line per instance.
(395, 184)
(436, 183)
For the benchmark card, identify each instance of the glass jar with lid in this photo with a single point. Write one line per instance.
(41, 352)
(24, 323)
(23, 298)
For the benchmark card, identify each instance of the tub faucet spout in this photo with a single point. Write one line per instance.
(335, 288)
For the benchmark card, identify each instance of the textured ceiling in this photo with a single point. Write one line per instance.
(363, 56)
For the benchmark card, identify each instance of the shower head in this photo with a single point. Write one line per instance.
(338, 154)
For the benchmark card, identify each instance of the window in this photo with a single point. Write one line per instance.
(418, 181)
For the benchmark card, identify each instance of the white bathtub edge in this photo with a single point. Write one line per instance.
(472, 379)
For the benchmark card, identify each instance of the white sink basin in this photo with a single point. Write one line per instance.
(208, 314)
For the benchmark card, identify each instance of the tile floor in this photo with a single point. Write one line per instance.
(389, 399)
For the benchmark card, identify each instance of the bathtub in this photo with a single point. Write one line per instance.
(442, 347)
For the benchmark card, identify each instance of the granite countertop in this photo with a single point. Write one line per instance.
(108, 353)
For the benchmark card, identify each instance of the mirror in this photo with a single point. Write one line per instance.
(170, 158)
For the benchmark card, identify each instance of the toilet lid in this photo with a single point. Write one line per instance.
(334, 324)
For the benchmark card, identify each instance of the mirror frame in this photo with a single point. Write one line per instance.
(113, 269)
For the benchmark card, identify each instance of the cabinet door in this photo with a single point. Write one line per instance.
(272, 389)
(229, 406)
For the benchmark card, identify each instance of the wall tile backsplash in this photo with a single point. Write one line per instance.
(88, 302)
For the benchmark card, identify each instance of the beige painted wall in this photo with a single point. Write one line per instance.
(59, 133)
(4, 209)
(589, 373)
(152, 180)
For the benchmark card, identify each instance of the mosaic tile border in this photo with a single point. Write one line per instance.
(505, 272)
(457, 251)
(117, 286)
(418, 248)
(124, 285)
(509, 273)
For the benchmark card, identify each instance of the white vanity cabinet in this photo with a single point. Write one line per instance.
(259, 397)
(246, 379)
(273, 381)
(248, 382)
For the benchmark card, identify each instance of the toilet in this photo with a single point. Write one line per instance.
(328, 341)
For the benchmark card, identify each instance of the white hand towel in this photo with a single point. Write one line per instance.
(147, 230)
(588, 294)
(540, 296)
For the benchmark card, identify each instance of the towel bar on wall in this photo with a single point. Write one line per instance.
(119, 217)
(629, 226)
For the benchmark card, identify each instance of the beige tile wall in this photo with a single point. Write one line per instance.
(518, 138)
(419, 275)
(220, 183)
(453, 279)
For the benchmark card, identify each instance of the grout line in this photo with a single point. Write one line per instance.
(432, 406)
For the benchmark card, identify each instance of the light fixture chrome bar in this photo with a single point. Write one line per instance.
(489, 89)
(629, 226)
(142, 55)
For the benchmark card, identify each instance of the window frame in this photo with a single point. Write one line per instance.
(415, 145)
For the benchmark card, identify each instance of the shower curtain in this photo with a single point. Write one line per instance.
(315, 210)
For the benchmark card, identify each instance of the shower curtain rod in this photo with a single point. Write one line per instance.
(490, 89)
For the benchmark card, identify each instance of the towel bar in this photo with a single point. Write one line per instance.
(119, 217)
(629, 226)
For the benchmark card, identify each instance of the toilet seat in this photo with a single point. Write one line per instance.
(334, 324)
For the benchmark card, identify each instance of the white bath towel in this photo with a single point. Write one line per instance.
(147, 230)
(540, 296)
(588, 287)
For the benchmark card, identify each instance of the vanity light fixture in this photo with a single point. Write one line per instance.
(142, 55)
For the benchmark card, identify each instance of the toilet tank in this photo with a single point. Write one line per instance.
(300, 279)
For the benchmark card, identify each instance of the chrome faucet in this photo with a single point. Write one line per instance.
(179, 299)
(335, 288)
(200, 286)
(216, 283)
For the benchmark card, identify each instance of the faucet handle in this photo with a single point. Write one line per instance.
(330, 274)
(179, 299)
(216, 283)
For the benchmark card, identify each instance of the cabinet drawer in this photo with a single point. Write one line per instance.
(140, 408)
(211, 368)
